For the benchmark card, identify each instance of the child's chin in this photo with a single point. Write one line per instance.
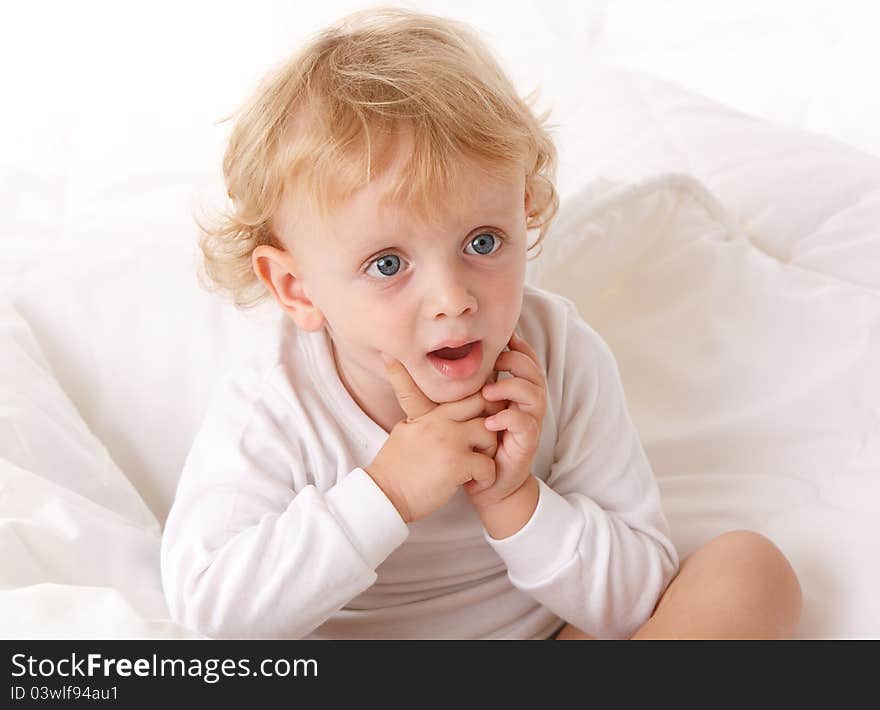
(453, 390)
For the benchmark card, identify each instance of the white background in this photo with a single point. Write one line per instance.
(96, 94)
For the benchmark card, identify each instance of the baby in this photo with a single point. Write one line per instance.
(437, 449)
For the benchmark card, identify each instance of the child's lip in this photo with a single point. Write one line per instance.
(452, 343)
(463, 368)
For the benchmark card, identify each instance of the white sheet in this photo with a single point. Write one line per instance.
(810, 64)
(80, 549)
(753, 383)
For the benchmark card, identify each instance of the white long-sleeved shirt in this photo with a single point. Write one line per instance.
(277, 531)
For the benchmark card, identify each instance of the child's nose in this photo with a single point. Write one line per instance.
(451, 297)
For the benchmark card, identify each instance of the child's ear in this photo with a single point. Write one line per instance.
(277, 270)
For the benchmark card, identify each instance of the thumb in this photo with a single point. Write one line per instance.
(412, 400)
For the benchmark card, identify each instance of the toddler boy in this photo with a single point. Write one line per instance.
(384, 182)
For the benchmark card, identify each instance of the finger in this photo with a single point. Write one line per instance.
(519, 344)
(480, 469)
(521, 365)
(473, 486)
(493, 407)
(527, 395)
(464, 409)
(480, 438)
(412, 400)
(524, 428)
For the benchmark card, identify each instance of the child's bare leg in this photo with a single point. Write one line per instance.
(737, 586)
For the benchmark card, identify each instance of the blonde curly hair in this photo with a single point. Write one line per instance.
(322, 122)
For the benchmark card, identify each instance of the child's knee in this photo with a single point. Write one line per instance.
(572, 633)
(764, 576)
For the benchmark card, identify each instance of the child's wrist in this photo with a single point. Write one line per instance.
(508, 515)
(390, 492)
(506, 500)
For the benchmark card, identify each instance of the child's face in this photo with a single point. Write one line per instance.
(383, 282)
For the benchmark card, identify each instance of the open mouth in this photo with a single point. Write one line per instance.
(454, 353)
(458, 363)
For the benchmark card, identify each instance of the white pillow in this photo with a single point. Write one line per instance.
(80, 549)
(753, 383)
(805, 199)
(139, 347)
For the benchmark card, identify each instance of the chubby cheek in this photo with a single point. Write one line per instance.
(363, 334)
(377, 334)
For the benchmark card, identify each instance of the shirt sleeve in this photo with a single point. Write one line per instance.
(597, 549)
(248, 554)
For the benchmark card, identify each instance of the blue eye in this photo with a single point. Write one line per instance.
(388, 264)
(484, 243)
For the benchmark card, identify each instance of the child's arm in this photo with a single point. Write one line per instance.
(251, 549)
(596, 550)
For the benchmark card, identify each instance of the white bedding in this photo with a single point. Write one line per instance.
(80, 549)
(754, 383)
(733, 264)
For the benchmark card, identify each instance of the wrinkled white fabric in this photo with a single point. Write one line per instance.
(80, 549)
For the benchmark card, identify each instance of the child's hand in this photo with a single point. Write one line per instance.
(520, 422)
(432, 452)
